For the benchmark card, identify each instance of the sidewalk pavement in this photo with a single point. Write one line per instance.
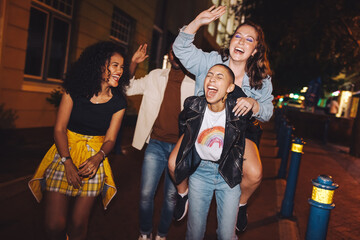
(21, 217)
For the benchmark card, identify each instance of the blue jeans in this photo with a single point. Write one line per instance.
(202, 184)
(155, 162)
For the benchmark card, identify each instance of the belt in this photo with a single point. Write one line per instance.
(216, 162)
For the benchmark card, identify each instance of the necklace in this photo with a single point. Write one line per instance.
(214, 117)
(100, 99)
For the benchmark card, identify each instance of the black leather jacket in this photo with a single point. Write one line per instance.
(231, 159)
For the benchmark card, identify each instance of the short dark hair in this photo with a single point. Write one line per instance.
(86, 74)
(227, 69)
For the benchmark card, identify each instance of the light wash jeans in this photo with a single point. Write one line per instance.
(202, 184)
(155, 162)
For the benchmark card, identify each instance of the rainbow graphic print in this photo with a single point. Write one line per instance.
(212, 136)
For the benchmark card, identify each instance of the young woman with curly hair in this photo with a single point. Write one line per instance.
(246, 57)
(88, 120)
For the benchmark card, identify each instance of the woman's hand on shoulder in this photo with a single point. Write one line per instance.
(244, 105)
(204, 18)
(72, 175)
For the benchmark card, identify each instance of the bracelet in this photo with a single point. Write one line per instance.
(102, 151)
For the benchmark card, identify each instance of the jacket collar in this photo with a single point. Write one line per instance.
(200, 105)
(165, 73)
(231, 124)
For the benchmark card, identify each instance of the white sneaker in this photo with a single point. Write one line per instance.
(145, 237)
(160, 238)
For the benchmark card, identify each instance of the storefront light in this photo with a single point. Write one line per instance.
(336, 93)
(304, 90)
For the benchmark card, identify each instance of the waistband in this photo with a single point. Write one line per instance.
(216, 162)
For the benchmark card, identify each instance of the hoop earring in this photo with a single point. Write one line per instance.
(224, 98)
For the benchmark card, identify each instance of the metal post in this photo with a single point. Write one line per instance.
(281, 134)
(285, 152)
(278, 129)
(278, 117)
(287, 205)
(321, 203)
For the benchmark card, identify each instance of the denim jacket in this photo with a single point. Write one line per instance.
(231, 159)
(198, 63)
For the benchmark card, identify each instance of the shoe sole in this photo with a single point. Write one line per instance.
(241, 230)
(185, 212)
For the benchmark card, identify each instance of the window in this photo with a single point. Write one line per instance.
(48, 40)
(64, 6)
(122, 26)
(227, 23)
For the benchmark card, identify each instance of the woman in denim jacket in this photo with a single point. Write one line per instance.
(246, 57)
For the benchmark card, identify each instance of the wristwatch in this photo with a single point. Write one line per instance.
(63, 159)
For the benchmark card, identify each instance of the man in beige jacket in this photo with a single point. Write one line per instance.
(164, 92)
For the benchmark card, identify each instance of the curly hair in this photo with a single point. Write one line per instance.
(257, 66)
(86, 74)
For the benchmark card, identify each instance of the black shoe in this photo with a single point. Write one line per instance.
(181, 207)
(242, 221)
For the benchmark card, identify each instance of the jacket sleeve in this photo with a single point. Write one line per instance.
(192, 58)
(183, 114)
(137, 86)
(265, 101)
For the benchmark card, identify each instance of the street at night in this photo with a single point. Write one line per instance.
(190, 119)
(22, 216)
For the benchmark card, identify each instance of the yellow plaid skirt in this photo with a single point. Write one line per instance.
(50, 175)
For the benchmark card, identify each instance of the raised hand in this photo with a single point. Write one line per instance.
(210, 15)
(140, 55)
(204, 18)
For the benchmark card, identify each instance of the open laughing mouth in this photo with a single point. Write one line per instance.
(116, 77)
(239, 50)
(211, 91)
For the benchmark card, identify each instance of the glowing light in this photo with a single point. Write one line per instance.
(296, 96)
(302, 98)
(336, 93)
(281, 99)
(165, 62)
(291, 95)
(346, 96)
(304, 89)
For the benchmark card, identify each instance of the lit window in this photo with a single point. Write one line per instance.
(48, 40)
(227, 23)
(121, 26)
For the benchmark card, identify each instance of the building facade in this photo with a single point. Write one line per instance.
(39, 39)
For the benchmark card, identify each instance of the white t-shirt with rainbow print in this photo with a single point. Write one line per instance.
(210, 141)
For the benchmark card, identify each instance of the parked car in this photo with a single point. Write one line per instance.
(293, 103)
